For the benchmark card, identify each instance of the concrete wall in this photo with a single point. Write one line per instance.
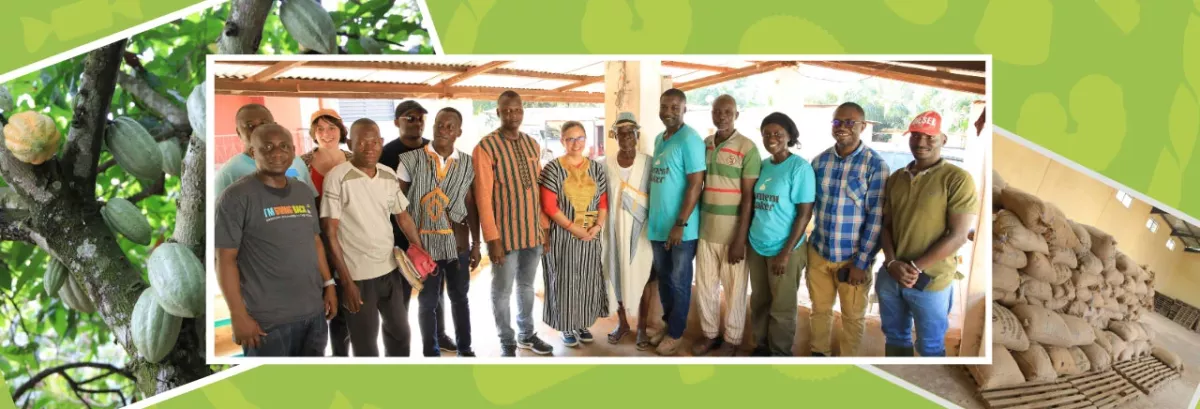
(1089, 201)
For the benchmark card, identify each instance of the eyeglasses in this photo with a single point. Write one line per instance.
(574, 140)
(849, 123)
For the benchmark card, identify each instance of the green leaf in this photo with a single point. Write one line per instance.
(5, 277)
(60, 322)
(72, 325)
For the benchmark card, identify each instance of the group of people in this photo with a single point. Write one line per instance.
(602, 231)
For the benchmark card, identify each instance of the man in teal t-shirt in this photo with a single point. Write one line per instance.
(676, 180)
(248, 117)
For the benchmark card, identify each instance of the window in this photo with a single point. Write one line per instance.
(1124, 198)
(1171, 244)
(1152, 225)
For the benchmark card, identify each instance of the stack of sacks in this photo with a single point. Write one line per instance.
(1066, 300)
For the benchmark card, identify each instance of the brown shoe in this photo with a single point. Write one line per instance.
(669, 346)
(727, 349)
(704, 345)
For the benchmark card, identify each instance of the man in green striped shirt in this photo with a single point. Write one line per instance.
(733, 162)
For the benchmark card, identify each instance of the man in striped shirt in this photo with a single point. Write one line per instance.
(733, 163)
(848, 218)
(507, 167)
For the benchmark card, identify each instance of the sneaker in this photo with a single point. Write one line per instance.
(535, 344)
(584, 336)
(569, 339)
(508, 350)
(818, 354)
(446, 344)
(760, 352)
(702, 347)
(727, 349)
(466, 353)
(668, 347)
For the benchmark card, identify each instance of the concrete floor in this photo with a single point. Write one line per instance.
(954, 384)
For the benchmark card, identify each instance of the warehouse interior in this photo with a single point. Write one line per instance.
(1162, 242)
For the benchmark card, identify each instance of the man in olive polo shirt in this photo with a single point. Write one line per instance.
(929, 207)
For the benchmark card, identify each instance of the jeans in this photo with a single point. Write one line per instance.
(383, 297)
(900, 308)
(305, 337)
(674, 268)
(456, 275)
(520, 266)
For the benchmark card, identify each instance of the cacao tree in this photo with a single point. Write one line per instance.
(80, 227)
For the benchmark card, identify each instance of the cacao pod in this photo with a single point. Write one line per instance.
(370, 45)
(6, 100)
(126, 218)
(55, 276)
(196, 104)
(154, 330)
(76, 297)
(310, 25)
(177, 277)
(172, 157)
(134, 149)
(32, 137)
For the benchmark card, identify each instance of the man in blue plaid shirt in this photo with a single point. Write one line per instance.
(847, 220)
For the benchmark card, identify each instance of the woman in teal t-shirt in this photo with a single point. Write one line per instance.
(783, 201)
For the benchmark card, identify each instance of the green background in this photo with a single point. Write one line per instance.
(1110, 84)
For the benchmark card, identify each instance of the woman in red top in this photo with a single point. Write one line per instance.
(574, 195)
(329, 133)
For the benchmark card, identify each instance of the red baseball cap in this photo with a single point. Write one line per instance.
(928, 122)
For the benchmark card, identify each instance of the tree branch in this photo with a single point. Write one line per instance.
(62, 369)
(156, 102)
(243, 29)
(356, 36)
(147, 191)
(189, 210)
(104, 166)
(11, 228)
(90, 117)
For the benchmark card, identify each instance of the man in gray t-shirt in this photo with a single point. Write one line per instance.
(271, 260)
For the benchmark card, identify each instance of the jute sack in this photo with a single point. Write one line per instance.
(1032, 211)
(1064, 256)
(1043, 326)
(1008, 329)
(1103, 244)
(1010, 299)
(1084, 280)
(1007, 228)
(1167, 357)
(1005, 278)
(1077, 308)
(1100, 358)
(1056, 304)
(1114, 277)
(1085, 239)
(1062, 274)
(1059, 232)
(1002, 372)
(1032, 288)
(1005, 254)
(1083, 294)
(1101, 339)
(1125, 264)
(1081, 333)
(1063, 362)
(1089, 263)
(1035, 364)
(1118, 345)
(1039, 268)
(1082, 363)
(1124, 330)
(1147, 332)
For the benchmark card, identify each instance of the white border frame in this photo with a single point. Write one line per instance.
(210, 223)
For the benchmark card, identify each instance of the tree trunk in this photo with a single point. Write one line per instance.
(243, 29)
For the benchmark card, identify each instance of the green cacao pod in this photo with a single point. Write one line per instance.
(154, 330)
(177, 277)
(172, 157)
(126, 218)
(6, 101)
(370, 45)
(311, 26)
(32, 137)
(196, 104)
(133, 148)
(76, 297)
(55, 276)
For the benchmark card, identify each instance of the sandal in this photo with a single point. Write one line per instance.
(643, 341)
(615, 336)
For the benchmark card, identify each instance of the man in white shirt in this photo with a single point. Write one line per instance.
(358, 195)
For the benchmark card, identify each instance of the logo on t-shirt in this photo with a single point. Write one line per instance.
(286, 212)
(658, 173)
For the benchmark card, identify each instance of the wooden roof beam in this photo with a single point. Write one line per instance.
(326, 89)
(944, 80)
(577, 84)
(273, 71)
(476, 70)
(757, 68)
(695, 66)
(577, 97)
(972, 66)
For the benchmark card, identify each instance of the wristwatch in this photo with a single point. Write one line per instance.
(680, 223)
(328, 283)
